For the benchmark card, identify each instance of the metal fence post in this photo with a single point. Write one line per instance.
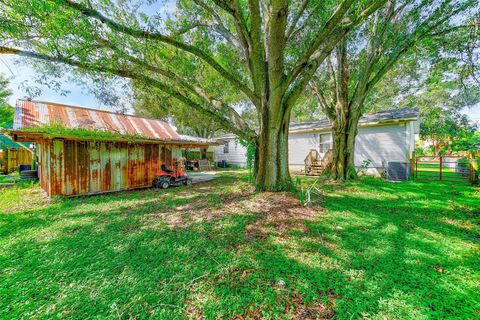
(416, 168)
(470, 172)
(441, 167)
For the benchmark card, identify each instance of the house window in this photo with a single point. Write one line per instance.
(325, 143)
(225, 147)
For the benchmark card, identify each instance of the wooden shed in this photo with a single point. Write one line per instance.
(96, 151)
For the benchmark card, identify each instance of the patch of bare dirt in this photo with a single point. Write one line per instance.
(200, 210)
(317, 310)
(193, 312)
(278, 212)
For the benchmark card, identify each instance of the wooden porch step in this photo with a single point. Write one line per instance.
(315, 170)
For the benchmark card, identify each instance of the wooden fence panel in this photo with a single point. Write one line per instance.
(11, 158)
(2, 163)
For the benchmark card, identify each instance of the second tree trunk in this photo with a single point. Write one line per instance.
(344, 130)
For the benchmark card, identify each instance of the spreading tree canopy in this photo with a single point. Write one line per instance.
(365, 56)
(266, 50)
(156, 104)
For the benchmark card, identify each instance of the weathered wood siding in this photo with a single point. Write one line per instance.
(69, 167)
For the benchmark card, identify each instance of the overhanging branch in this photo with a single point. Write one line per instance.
(124, 73)
(138, 33)
(336, 27)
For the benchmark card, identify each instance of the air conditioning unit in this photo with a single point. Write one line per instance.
(398, 171)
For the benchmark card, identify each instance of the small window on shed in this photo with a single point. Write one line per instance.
(325, 143)
(225, 147)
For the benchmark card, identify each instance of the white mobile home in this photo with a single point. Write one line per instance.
(231, 150)
(382, 137)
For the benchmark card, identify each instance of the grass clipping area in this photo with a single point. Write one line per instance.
(372, 249)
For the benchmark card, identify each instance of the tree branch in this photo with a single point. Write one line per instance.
(425, 29)
(331, 24)
(229, 124)
(220, 26)
(276, 48)
(296, 18)
(337, 26)
(342, 71)
(257, 48)
(92, 13)
(196, 90)
(327, 108)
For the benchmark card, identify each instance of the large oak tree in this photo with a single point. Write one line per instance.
(268, 50)
(366, 55)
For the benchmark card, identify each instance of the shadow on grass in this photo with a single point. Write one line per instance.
(378, 250)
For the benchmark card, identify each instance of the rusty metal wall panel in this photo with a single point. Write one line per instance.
(141, 165)
(148, 168)
(83, 167)
(32, 113)
(24, 156)
(43, 166)
(156, 156)
(70, 167)
(105, 161)
(95, 168)
(57, 169)
(176, 153)
(118, 160)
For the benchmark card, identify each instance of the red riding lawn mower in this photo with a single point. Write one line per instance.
(168, 178)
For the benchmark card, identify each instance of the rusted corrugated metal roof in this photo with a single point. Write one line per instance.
(30, 114)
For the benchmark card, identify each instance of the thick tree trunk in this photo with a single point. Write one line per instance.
(271, 159)
(344, 130)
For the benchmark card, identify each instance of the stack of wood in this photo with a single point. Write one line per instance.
(314, 164)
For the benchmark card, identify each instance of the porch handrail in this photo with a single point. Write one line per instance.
(313, 155)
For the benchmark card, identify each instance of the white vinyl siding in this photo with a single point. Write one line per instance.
(299, 145)
(377, 143)
(381, 144)
(236, 155)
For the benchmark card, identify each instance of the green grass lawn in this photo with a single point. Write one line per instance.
(371, 249)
